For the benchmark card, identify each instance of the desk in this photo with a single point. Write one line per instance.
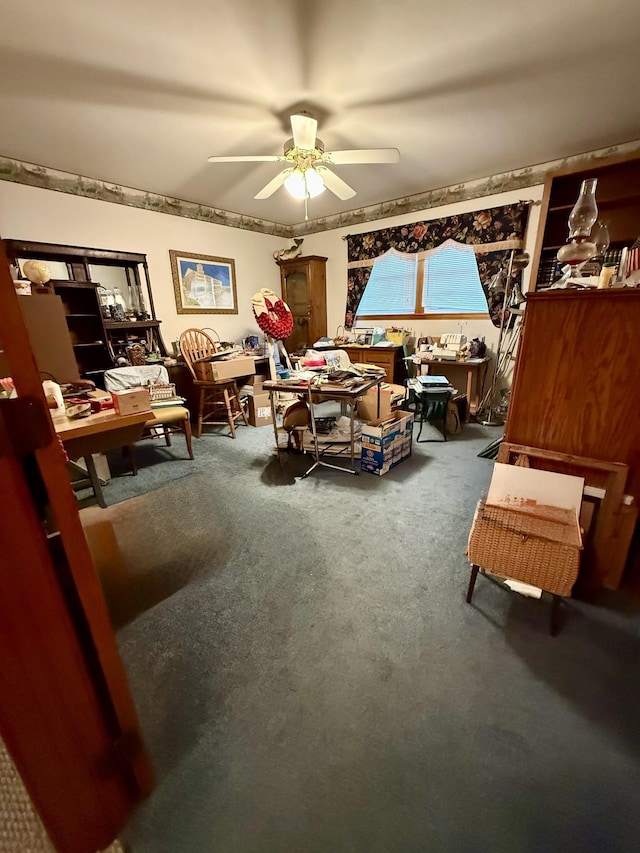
(82, 437)
(475, 374)
(313, 389)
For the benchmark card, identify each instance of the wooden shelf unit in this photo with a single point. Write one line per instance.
(618, 199)
(85, 325)
(97, 341)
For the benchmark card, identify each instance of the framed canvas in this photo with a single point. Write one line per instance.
(203, 284)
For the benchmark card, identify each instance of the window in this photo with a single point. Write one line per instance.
(445, 281)
(391, 288)
(451, 282)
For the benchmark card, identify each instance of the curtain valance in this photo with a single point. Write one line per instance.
(493, 233)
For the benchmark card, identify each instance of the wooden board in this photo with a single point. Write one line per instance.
(49, 337)
(511, 484)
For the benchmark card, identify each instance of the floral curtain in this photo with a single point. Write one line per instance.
(493, 232)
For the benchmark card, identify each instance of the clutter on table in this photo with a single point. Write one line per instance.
(450, 347)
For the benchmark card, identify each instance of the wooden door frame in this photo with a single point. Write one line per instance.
(59, 654)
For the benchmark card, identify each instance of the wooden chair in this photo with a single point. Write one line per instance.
(164, 421)
(219, 402)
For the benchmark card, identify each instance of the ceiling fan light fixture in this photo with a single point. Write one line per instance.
(307, 184)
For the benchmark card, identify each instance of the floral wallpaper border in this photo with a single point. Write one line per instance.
(30, 174)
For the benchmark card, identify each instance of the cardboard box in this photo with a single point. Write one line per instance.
(260, 410)
(230, 368)
(256, 382)
(131, 401)
(386, 442)
(368, 404)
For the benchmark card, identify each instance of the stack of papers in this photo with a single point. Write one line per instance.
(172, 401)
(430, 381)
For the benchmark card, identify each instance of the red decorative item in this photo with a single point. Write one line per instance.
(272, 314)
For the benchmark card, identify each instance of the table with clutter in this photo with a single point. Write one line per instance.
(313, 384)
(97, 430)
(454, 358)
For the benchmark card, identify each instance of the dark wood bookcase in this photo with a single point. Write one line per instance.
(618, 199)
(97, 339)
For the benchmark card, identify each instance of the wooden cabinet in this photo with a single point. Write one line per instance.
(618, 199)
(390, 359)
(304, 289)
(576, 386)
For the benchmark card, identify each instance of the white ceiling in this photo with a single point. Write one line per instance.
(141, 93)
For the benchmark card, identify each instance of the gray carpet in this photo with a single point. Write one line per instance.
(309, 678)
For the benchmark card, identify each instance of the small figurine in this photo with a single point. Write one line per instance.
(292, 252)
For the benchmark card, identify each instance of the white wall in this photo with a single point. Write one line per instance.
(30, 213)
(330, 244)
(35, 214)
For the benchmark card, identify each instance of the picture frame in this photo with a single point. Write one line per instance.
(203, 284)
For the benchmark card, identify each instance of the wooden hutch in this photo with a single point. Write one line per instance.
(575, 386)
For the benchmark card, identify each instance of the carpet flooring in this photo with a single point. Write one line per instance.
(309, 677)
(21, 830)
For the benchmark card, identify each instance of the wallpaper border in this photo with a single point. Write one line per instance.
(19, 172)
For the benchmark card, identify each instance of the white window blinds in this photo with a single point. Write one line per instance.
(451, 282)
(391, 288)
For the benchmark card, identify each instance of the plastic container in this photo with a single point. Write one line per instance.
(607, 274)
(54, 395)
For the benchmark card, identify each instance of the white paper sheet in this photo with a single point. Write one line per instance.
(512, 483)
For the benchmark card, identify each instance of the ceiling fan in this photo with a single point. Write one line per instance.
(307, 173)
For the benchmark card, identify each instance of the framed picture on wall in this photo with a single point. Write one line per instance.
(203, 284)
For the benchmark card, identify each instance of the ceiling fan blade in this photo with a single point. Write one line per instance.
(274, 184)
(335, 184)
(304, 129)
(363, 155)
(247, 158)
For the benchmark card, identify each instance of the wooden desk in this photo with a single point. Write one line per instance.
(309, 391)
(389, 359)
(473, 383)
(97, 433)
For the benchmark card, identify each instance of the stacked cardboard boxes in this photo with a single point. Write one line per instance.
(258, 401)
(385, 443)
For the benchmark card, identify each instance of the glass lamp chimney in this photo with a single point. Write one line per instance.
(585, 210)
